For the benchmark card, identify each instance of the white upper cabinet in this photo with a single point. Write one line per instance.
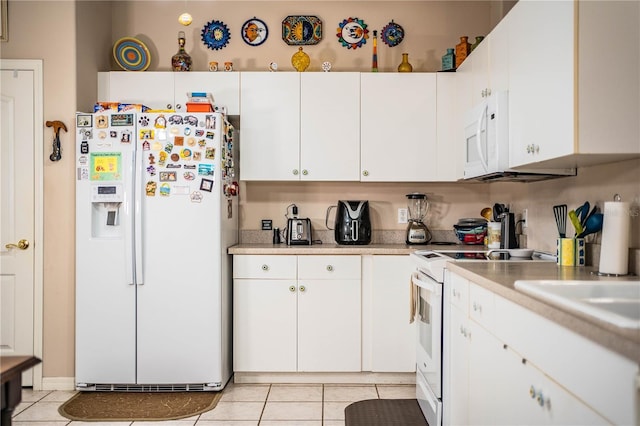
(224, 86)
(300, 126)
(150, 88)
(168, 90)
(330, 126)
(270, 126)
(574, 83)
(541, 110)
(398, 127)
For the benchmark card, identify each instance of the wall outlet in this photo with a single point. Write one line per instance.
(402, 215)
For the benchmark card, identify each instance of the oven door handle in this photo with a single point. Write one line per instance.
(431, 286)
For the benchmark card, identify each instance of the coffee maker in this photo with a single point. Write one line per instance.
(417, 206)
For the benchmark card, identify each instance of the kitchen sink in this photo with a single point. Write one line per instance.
(615, 302)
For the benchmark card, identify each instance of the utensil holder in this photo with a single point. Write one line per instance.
(570, 251)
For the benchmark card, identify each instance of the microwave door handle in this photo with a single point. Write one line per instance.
(483, 114)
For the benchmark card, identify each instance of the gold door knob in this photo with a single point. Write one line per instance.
(22, 245)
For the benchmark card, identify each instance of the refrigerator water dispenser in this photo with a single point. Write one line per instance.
(106, 202)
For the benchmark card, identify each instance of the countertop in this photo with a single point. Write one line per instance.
(498, 277)
(333, 248)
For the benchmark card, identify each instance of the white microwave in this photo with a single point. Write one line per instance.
(486, 134)
(486, 145)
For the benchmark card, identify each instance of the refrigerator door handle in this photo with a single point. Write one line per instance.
(128, 234)
(137, 217)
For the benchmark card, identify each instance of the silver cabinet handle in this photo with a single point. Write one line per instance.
(477, 307)
(178, 106)
(330, 268)
(305, 172)
(292, 288)
(265, 267)
(295, 172)
(302, 288)
(365, 173)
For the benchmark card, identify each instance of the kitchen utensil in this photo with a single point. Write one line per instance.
(592, 225)
(573, 217)
(487, 213)
(591, 213)
(560, 213)
(582, 212)
(498, 209)
(417, 232)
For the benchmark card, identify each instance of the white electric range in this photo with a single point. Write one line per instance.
(427, 310)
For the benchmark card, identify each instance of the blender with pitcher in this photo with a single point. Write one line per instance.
(417, 206)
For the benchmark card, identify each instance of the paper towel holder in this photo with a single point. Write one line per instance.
(616, 199)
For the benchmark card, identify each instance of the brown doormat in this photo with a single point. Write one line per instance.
(141, 406)
(384, 412)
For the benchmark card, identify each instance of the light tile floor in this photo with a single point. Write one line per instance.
(240, 405)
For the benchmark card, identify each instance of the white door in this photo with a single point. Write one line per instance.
(17, 225)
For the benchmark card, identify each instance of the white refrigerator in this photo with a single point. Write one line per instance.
(156, 210)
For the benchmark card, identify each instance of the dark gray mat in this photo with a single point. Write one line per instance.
(384, 412)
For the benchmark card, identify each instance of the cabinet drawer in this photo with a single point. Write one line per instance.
(265, 267)
(458, 289)
(481, 306)
(329, 267)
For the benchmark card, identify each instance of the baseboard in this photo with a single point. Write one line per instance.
(59, 383)
(343, 378)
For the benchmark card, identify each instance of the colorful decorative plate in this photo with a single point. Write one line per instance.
(392, 34)
(215, 35)
(352, 33)
(301, 30)
(254, 32)
(131, 54)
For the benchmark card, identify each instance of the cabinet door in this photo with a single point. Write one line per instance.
(224, 86)
(330, 126)
(264, 325)
(480, 71)
(393, 339)
(270, 126)
(489, 386)
(456, 369)
(329, 325)
(541, 81)
(450, 153)
(398, 127)
(153, 89)
(498, 56)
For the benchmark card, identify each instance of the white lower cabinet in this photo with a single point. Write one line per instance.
(500, 367)
(305, 317)
(393, 338)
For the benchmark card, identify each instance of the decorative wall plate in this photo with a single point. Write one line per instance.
(254, 32)
(301, 30)
(352, 33)
(215, 35)
(131, 54)
(392, 34)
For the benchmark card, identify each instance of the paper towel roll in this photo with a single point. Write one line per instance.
(614, 252)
